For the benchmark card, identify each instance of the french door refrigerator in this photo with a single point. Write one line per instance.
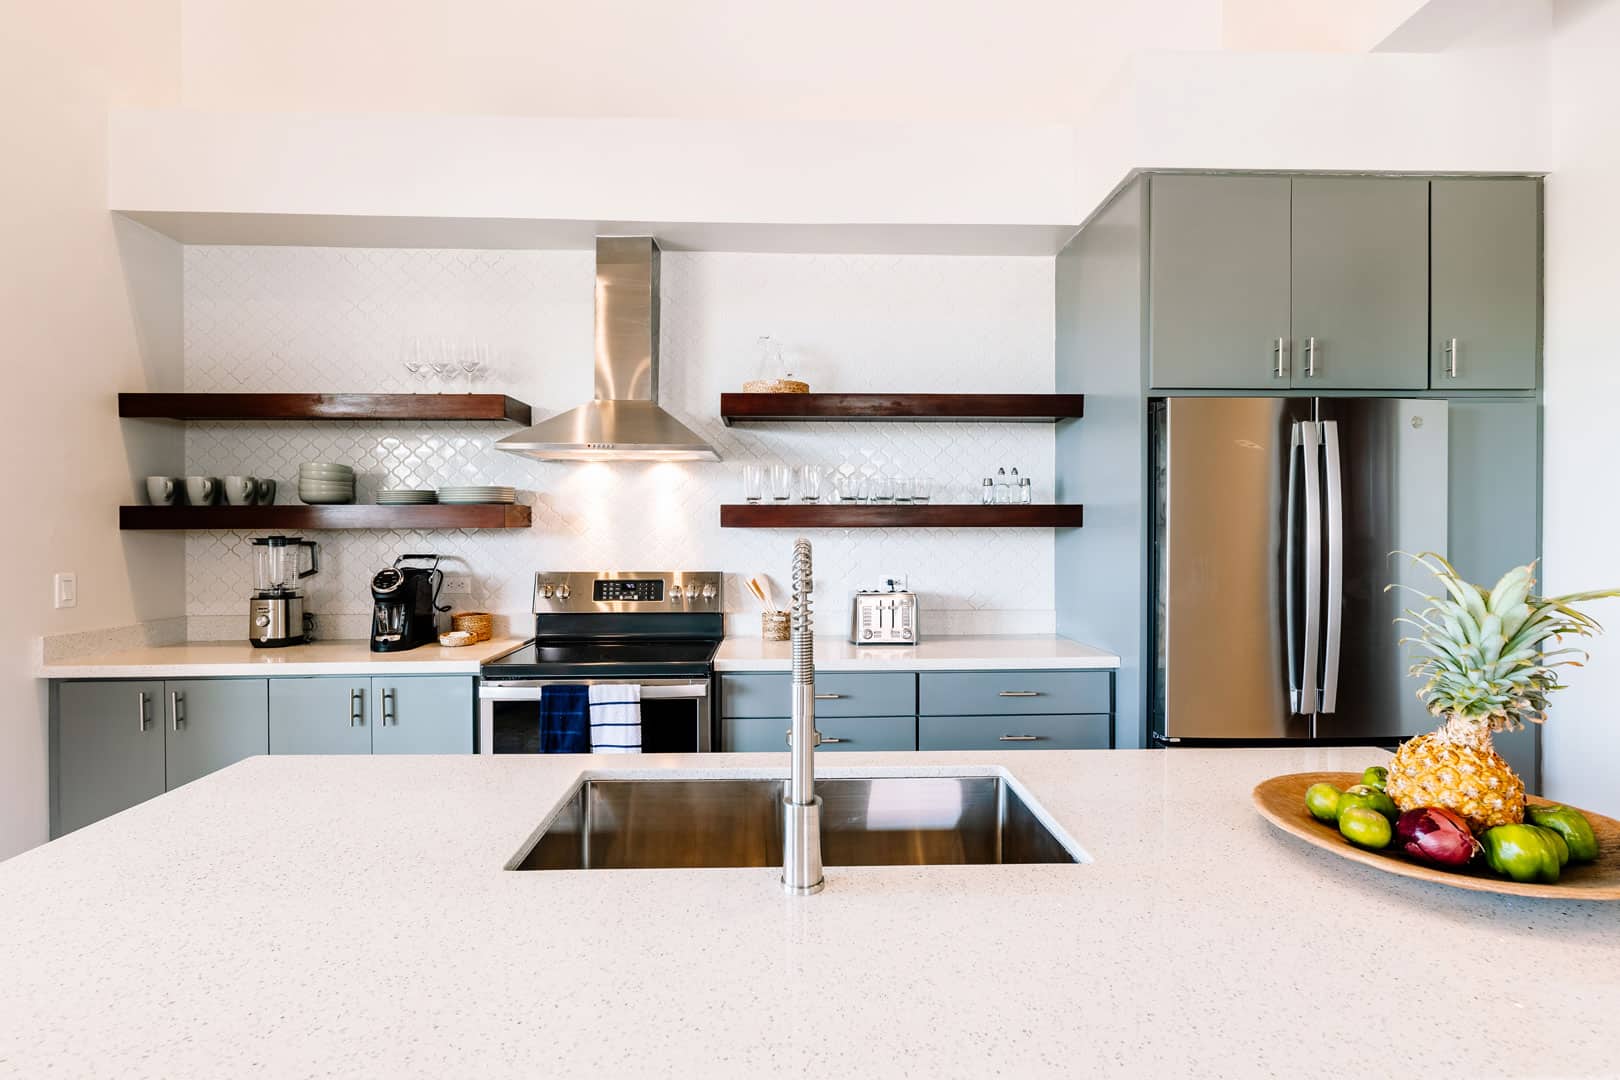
(1275, 521)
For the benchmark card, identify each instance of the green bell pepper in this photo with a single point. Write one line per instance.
(1524, 853)
(1569, 824)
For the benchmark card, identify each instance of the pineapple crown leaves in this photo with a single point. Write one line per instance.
(1482, 653)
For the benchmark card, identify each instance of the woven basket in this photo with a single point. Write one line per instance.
(775, 386)
(480, 624)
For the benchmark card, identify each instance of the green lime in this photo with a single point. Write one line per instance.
(1376, 776)
(1371, 798)
(1322, 800)
(1365, 827)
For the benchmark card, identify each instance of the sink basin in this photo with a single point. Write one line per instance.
(872, 821)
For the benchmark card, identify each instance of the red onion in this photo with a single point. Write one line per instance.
(1433, 834)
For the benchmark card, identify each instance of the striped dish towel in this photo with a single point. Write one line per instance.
(616, 718)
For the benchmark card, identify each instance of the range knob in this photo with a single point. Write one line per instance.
(547, 591)
(691, 592)
(710, 592)
(562, 592)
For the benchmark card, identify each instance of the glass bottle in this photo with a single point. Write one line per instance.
(987, 491)
(1026, 491)
(1003, 494)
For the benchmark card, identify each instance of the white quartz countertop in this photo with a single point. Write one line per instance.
(297, 916)
(999, 652)
(218, 658)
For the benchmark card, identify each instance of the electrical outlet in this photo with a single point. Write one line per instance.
(457, 584)
(67, 589)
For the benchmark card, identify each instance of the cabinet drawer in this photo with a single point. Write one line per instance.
(768, 734)
(1008, 693)
(879, 693)
(1061, 732)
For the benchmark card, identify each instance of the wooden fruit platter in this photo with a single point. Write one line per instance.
(1281, 801)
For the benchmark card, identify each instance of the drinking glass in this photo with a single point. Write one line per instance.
(443, 361)
(849, 487)
(415, 356)
(809, 483)
(880, 489)
(781, 482)
(920, 489)
(474, 361)
(753, 483)
(902, 489)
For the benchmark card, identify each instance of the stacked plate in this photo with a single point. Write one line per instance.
(478, 493)
(321, 484)
(405, 497)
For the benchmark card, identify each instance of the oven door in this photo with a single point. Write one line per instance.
(676, 717)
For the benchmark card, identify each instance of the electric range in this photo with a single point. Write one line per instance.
(657, 629)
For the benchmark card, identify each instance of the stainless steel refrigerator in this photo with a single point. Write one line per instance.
(1275, 520)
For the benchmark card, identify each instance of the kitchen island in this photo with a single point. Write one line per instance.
(351, 916)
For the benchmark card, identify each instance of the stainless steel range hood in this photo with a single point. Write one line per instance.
(624, 422)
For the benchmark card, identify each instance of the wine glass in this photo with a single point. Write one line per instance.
(443, 361)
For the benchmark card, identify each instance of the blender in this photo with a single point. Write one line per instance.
(276, 612)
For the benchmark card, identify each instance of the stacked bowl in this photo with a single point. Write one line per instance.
(321, 484)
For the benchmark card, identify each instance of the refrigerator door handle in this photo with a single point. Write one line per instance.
(1291, 571)
(1335, 565)
(1310, 643)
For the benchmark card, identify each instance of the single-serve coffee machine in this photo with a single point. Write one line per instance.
(406, 597)
(276, 612)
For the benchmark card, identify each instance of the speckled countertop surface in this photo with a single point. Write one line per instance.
(301, 916)
(992, 652)
(202, 659)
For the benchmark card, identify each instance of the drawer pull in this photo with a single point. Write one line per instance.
(820, 738)
(176, 700)
(1018, 738)
(828, 697)
(827, 739)
(1019, 693)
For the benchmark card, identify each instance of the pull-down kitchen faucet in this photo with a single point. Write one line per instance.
(801, 808)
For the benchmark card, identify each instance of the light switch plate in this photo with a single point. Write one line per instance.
(67, 590)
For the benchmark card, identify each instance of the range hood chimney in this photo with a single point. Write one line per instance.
(624, 422)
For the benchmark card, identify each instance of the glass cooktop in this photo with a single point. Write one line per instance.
(577, 657)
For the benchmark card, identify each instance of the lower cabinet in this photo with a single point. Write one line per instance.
(1014, 732)
(755, 734)
(115, 744)
(423, 714)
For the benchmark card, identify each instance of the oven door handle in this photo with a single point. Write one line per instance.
(530, 691)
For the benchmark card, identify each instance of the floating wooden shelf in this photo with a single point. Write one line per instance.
(955, 408)
(898, 516)
(324, 407)
(352, 516)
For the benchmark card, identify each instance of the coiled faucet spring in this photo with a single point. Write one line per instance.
(803, 622)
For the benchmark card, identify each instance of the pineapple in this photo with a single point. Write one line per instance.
(1486, 671)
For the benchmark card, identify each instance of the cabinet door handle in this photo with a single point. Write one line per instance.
(828, 697)
(1450, 348)
(141, 710)
(357, 706)
(390, 713)
(176, 698)
(1019, 693)
(1310, 358)
(1280, 351)
(1018, 738)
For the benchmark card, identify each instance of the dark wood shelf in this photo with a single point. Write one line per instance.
(944, 408)
(324, 407)
(351, 516)
(898, 516)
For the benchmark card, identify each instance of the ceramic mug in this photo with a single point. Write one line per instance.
(267, 491)
(162, 490)
(241, 490)
(202, 490)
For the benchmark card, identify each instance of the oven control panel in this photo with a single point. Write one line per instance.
(628, 591)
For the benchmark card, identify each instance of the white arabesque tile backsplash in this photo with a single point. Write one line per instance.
(261, 319)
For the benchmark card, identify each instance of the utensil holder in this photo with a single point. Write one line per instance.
(773, 625)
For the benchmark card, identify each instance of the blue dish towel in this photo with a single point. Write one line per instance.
(565, 719)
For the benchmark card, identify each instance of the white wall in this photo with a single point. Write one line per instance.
(1581, 741)
(285, 318)
(87, 309)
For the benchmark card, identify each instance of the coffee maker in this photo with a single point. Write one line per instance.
(276, 611)
(406, 597)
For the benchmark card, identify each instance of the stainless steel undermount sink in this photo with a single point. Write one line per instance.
(718, 822)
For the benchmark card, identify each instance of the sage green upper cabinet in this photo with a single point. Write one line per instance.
(213, 723)
(1219, 282)
(1485, 293)
(108, 752)
(1360, 283)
